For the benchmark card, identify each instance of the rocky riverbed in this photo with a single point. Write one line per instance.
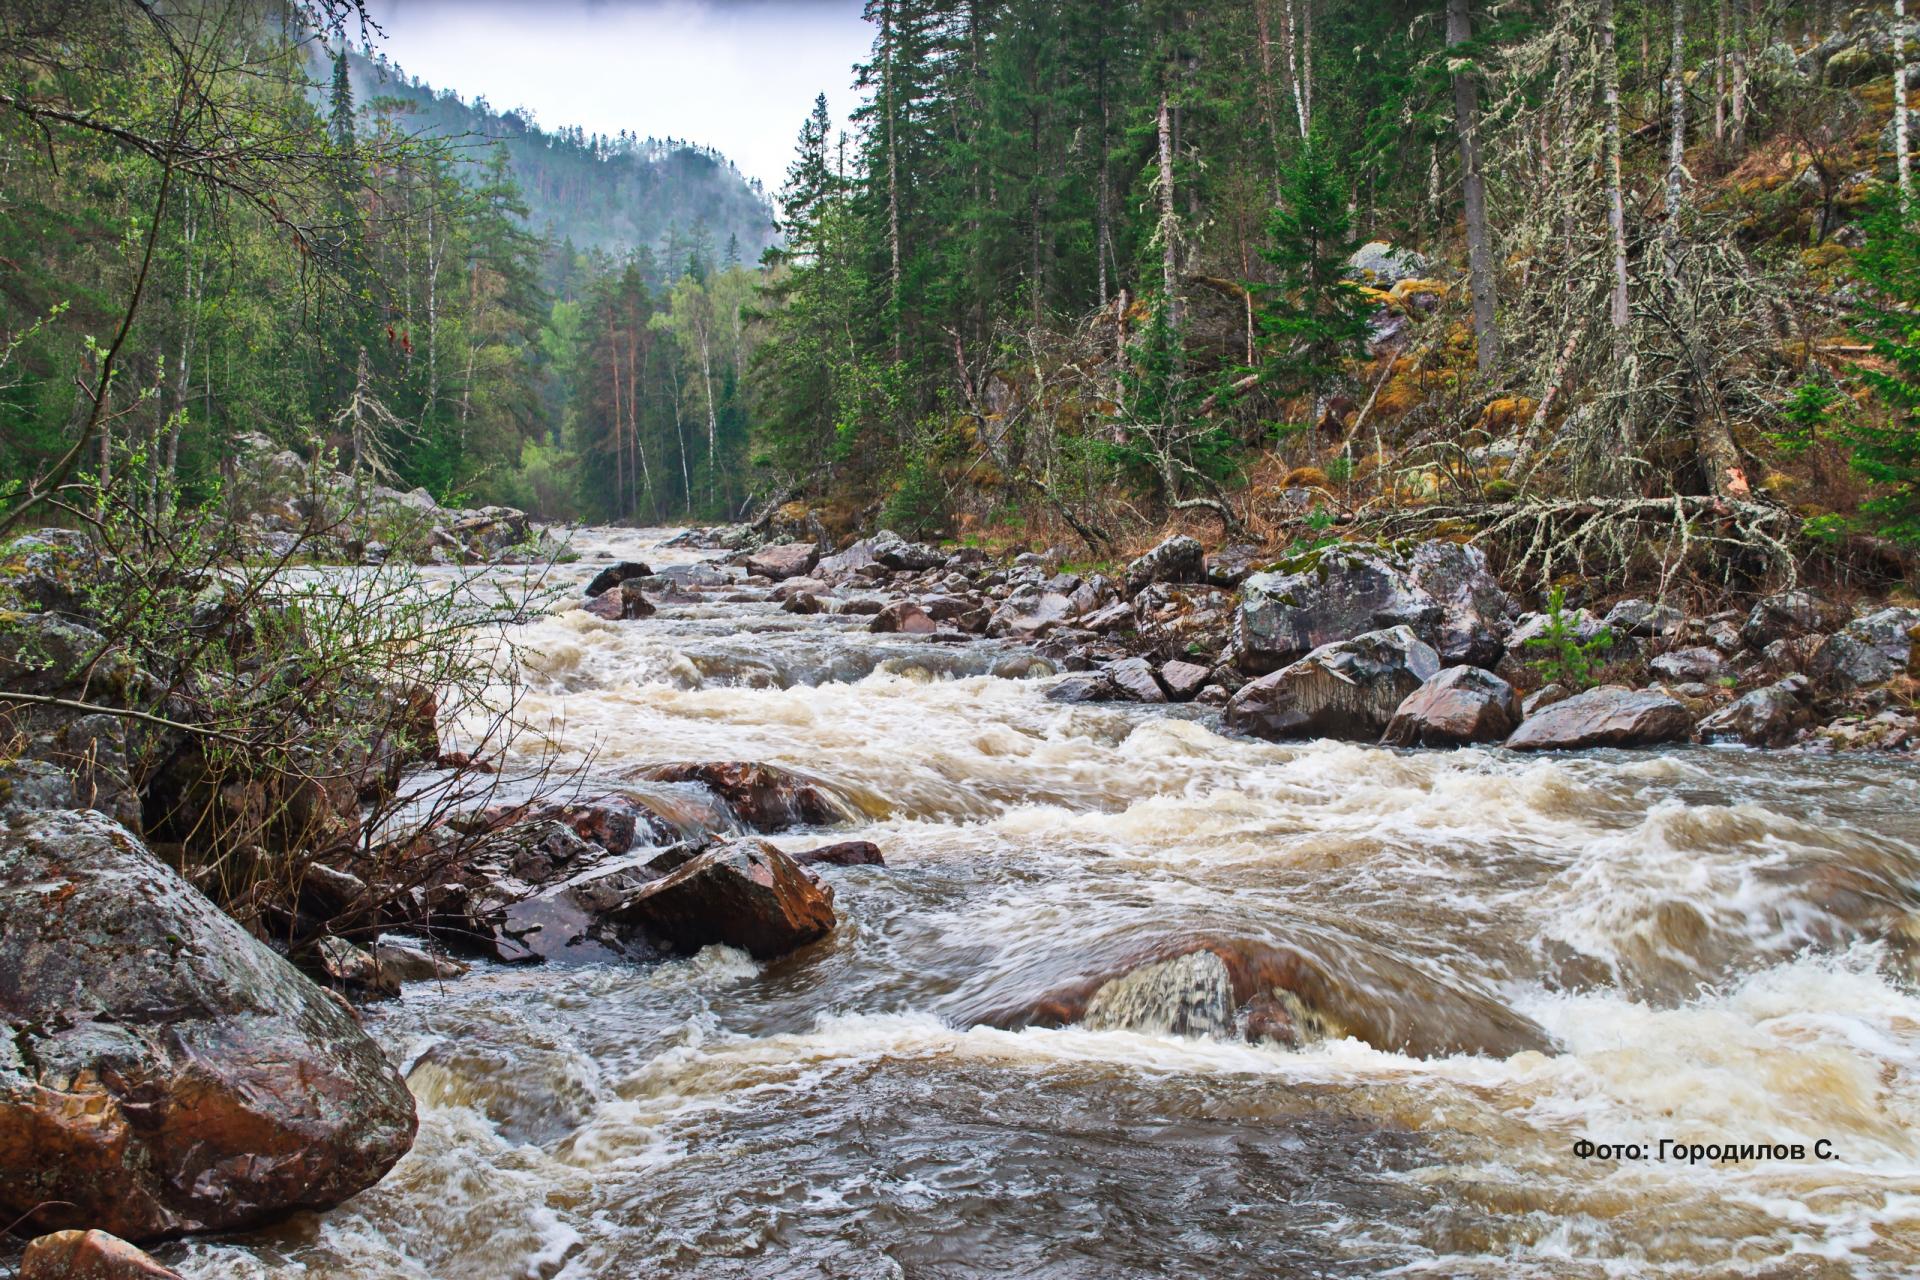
(912, 911)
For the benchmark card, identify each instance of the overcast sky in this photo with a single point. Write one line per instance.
(739, 75)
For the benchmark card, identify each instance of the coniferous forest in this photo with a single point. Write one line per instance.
(1077, 267)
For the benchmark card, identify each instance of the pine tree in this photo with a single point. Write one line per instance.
(1313, 316)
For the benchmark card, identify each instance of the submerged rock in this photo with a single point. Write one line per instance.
(745, 894)
(149, 1080)
(1349, 689)
(764, 797)
(848, 853)
(1610, 716)
(1459, 706)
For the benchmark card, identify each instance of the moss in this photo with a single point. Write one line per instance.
(1305, 478)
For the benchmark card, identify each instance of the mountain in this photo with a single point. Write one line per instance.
(612, 193)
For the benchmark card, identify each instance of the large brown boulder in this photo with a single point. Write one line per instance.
(625, 602)
(1461, 705)
(615, 574)
(745, 893)
(783, 560)
(164, 1071)
(764, 797)
(1347, 690)
(1610, 716)
(88, 1255)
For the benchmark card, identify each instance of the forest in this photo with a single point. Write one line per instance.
(1081, 266)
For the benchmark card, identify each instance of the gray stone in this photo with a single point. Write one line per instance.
(1475, 605)
(1334, 594)
(1183, 679)
(1610, 716)
(1134, 681)
(1700, 663)
(1348, 689)
(1178, 559)
(1643, 619)
(1769, 717)
(783, 560)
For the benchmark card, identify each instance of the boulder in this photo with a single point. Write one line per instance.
(1232, 565)
(624, 603)
(613, 575)
(1870, 650)
(1382, 265)
(1543, 697)
(1178, 559)
(1474, 606)
(1093, 687)
(88, 1255)
(1183, 680)
(765, 797)
(1643, 619)
(1458, 706)
(1132, 680)
(1349, 689)
(905, 617)
(1609, 716)
(148, 1082)
(1788, 615)
(895, 552)
(848, 853)
(1029, 614)
(803, 602)
(1333, 594)
(1699, 664)
(49, 570)
(783, 560)
(1769, 717)
(1535, 626)
(745, 894)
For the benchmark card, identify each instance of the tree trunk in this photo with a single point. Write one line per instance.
(1720, 75)
(1616, 198)
(1676, 134)
(1738, 124)
(1466, 112)
(1169, 221)
(893, 170)
(1902, 151)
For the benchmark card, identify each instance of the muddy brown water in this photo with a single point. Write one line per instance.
(1709, 946)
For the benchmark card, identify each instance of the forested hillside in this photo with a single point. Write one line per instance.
(611, 193)
(1618, 280)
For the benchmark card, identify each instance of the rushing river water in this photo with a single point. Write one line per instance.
(1708, 946)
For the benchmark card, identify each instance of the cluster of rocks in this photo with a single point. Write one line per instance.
(295, 509)
(1410, 645)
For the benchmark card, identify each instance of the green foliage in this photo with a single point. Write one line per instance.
(1807, 413)
(1887, 451)
(1565, 658)
(1313, 317)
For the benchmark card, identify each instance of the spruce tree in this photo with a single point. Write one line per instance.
(1313, 316)
(1888, 451)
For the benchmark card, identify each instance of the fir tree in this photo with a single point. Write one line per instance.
(1313, 316)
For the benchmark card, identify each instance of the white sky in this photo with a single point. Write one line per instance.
(739, 75)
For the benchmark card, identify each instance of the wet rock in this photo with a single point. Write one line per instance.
(1232, 565)
(1643, 619)
(895, 552)
(783, 560)
(848, 853)
(1114, 617)
(765, 797)
(905, 617)
(1700, 664)
(803, 602)
(1475, 606)
(1787, 615)
(1029, 614)
(1334, 594)
(406, 962)
(344, 965)
(1093, 687)
(1349, 689)
(145, 1080)
(1132, 680)
(1178, 559)
(1460, 705)
(1183, 680)
(1609, 716)
(1769, 717)
(1887, 730)
(615, 574)
(745, 894)
(1542, 698)
(88, 1255)
(1869, 651)
(624, 603)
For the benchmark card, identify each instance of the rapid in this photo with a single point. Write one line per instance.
(1699, 945)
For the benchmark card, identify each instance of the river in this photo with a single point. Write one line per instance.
(1709, 942)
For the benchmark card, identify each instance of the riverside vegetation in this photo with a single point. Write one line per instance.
(1072, 497)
